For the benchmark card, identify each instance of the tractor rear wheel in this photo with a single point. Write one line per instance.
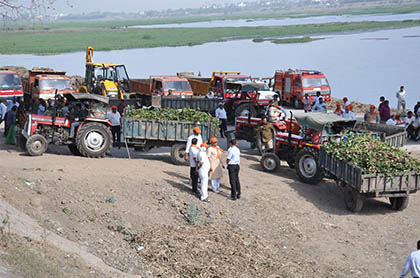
(178, 154)
(399, 203)
(307, 166)
(244, 110)
(94, 140)
(36, 145)
(270, 162)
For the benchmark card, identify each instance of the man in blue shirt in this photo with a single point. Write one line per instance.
(412, 264)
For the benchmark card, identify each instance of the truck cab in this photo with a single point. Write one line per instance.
(218, 83)
(166, 85)
(292, 85)
(43, 84)
(10, 84)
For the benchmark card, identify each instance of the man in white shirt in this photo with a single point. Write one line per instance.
(3, 110)
(203, 166)
(391, 121)
(316, 98)
(222, 117)
(348, 114)
(320, 106)
(193, 151)
(115, 118)
(409, 125)
(233, 161)
(412, 264)
(196, 134)
(401, 99)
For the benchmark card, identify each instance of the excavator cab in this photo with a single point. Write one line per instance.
(110, 80)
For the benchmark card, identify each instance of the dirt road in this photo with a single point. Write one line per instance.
(106, 205)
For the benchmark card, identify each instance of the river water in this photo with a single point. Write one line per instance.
(361, 66)
(287, 21)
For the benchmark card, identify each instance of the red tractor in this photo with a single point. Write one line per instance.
(92, 137)
(302, 151)
(247, 98)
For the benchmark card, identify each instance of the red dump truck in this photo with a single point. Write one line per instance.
(10, 84)
(216, 84)
(160, 85)
(292, 85)
(43, 84)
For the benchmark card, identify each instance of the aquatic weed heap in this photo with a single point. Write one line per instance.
(165, 114)
(373, 155)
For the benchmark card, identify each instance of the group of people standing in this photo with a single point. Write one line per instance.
(206, 165)
(13, 114)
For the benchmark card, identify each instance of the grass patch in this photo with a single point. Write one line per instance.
(289, 40)
(54, 42)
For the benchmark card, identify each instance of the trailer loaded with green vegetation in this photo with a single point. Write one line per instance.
(367, 168)
(145, 129)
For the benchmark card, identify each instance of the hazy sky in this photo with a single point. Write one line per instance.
(80, 6)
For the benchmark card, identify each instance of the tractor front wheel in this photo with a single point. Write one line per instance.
(36, 145)
(307, 166)
(270, 162)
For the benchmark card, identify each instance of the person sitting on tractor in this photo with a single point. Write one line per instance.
(276, 100)
(266, 131)
(276, 113)
(313, 136)
(80, 114)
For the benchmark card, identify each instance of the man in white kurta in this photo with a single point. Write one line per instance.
(203, 170)
(214, 153)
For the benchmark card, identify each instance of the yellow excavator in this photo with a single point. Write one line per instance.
(110, 80)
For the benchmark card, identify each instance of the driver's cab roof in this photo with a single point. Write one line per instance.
(102, 65)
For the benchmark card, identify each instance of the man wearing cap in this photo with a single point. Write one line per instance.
(214, 153)
(346, 102)
(115, 118)
(196, 134)
(203, 167)
(372, 116)
(222, 117)
(348, 114)
(338, 110)
(193, 151)
(233, 161)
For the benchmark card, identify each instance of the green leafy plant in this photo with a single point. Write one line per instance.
(372, 155)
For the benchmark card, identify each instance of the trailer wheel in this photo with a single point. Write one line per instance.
(244, 110)
(178, 154)
(307, 166)
(94, 140)
(399, 203)
(353, 200)
(36, 145)
(270, 162)
(73, 149)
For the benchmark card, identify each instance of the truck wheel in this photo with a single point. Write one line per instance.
(73, 149)
(308, 169)
(399, 203)
(36, 145)
(94, 140)
(244, 110)
(353, 200)
(178, 154)
(270, 162)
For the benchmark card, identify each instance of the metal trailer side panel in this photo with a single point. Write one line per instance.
(142, 129)
(197, 103)
(377, 185)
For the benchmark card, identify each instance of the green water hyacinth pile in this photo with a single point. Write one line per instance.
(165, 114)
(372, 155)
